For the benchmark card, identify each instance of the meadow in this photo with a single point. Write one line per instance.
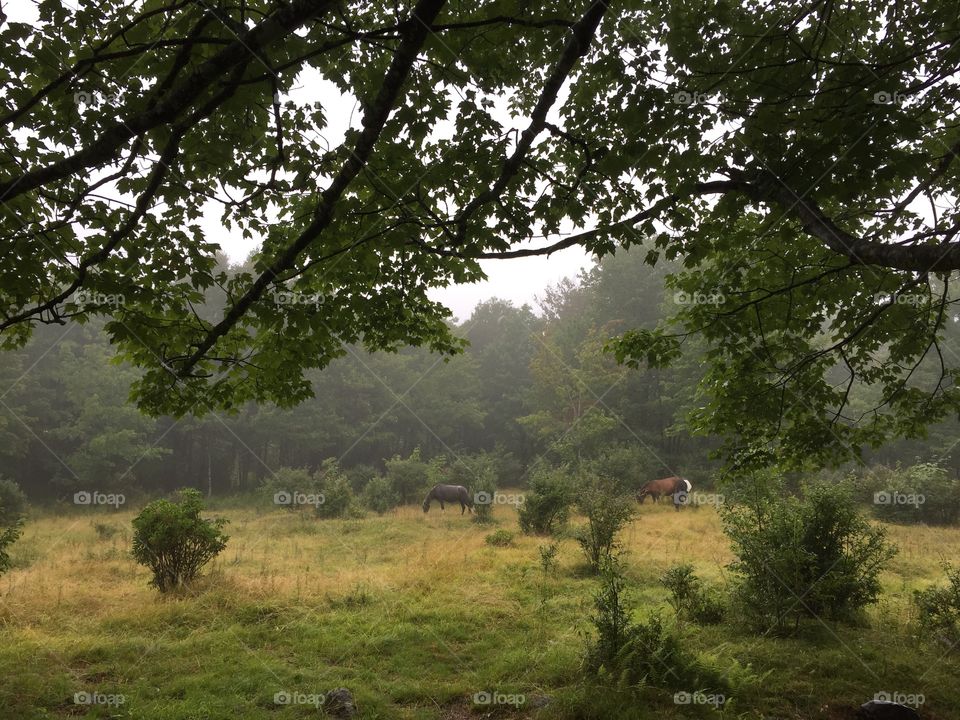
(416, 614)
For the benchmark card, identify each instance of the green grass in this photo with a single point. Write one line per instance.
(415, 614)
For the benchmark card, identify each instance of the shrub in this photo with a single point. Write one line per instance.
(484, 490)
(938, 608)
(547, 502)
(173, 540)
(925, 492)
(335, 489)
(606, 515)
(548, 556)
(286, 484)
(378, 495)
(360, 476)
(500, 538)
(326, 492)
(13, 504)
(815, 555)
(8, 536)
(408, 477)
(689, 598)
(630, 654)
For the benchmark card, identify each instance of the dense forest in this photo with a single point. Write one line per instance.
(534, 386)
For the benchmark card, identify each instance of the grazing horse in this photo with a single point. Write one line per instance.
(450, 494)
(674, 485)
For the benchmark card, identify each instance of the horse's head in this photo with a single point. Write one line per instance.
(426, 505)
(642, 495)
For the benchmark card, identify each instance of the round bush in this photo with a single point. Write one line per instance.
(173, 540)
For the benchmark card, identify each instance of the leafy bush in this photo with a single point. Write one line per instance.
(378, 495)
(408, 477)
(630, 654)
(925, 492)
(500, 538)
(337, 494)
(938, 608)
(173, 540)
(689, 598)
(8, 536)
(547, 502)
(286, 484)
(484, 488)
(606, 515)
(326, 492)
(809, 556)
(13, 504)
(360, 476)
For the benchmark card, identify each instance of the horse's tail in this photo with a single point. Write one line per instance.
(681, 492)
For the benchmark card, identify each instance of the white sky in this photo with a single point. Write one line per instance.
(519, 280)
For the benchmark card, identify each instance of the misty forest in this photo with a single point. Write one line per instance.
(254, 464)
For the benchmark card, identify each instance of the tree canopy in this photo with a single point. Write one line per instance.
(797, 158)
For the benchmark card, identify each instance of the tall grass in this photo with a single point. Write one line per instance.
(415, 614)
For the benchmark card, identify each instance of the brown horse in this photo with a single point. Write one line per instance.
(674, 485)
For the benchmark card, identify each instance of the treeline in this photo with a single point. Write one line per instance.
(531, 387)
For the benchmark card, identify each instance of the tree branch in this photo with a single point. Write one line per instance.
(373, 122)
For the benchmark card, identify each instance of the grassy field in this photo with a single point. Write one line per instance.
(415, 615)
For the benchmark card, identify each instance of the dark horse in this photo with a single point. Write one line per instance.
(674, 485)
(450, 494)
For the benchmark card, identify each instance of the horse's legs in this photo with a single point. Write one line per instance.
(441, 505)
(463, 508)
